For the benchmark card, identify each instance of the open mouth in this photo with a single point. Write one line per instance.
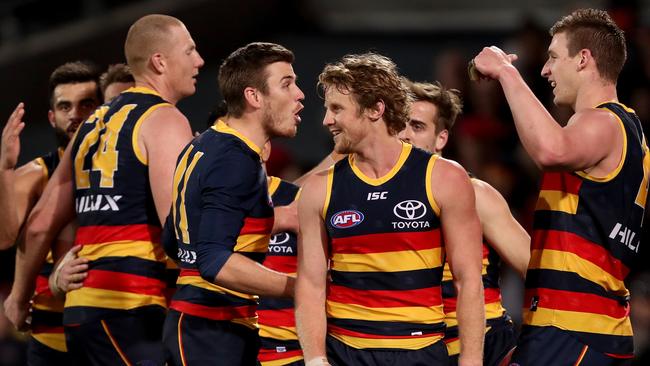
(73, 127)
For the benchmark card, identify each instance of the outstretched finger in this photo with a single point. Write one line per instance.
(513, 57)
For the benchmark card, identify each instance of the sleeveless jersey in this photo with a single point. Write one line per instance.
(119, 228)
(276, 316)
(386, 255)
(494, 309)
(221, 206)
(47, 310)
(585, 241)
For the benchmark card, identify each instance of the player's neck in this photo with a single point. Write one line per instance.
(159, 87)
(591, 96)
(377, 157)
(250, 127)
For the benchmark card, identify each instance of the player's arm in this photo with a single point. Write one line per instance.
(585, 141)
(54, 209)
(453, 192)
(311, 320)
(285, 218)
(19, 192)
(502, 231)
(327, 162)
(226, 197)
(162, 137)
(19, 188)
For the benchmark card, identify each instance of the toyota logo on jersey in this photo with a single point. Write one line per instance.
(410, 210)
(346, 219)
(279, 238)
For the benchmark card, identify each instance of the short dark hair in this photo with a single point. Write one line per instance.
(595, 30)
(71, 73)
(370, 78)
(245, 67)
(116, 73)
(447, 101)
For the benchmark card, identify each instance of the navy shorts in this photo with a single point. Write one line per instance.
(540, 346)
(499, 341)
(340, 354)
(129, 338)
(39, 354)
(191, 340)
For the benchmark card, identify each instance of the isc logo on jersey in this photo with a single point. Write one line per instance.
(346, 219)
(410, 211)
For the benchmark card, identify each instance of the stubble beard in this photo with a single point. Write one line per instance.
(62, 137)
(272, 123)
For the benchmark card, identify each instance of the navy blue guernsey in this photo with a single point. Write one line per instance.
(47, 309)
(276, 316)
(221, 206)
(386, 255)
(585, 242)
(119, 227)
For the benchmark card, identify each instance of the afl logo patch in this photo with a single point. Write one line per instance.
(410, 210)
(346, 219)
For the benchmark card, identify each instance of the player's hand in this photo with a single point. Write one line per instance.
(490, 62)
(71, 271)
(17, 311)
(10, 148)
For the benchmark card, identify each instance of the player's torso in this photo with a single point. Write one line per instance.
(119, 228)
(386, 255)
(585, 241)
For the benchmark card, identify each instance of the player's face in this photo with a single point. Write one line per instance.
(344, 120)
(561, 71)
(114, 89)
(282, 102)
(71, 105)
(420, 130)
(184, 62)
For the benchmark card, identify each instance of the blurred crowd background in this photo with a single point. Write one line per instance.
(429, 40)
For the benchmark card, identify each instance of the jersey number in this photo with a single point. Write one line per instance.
(105, 158)
(182, 173)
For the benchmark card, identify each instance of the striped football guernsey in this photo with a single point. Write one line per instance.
(47, 310)
(221, 205)
(119, 228)
(494, 309)
(276, 316)
(585, 240)
(386, 255)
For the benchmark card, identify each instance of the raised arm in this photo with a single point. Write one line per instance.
(54, 209)
(453, 192)
(502, 231)
(590, 136)
(19, 188)
(162, 137)
(311, 320)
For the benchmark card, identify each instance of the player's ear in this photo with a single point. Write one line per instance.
(253, 97)
(376, 111)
